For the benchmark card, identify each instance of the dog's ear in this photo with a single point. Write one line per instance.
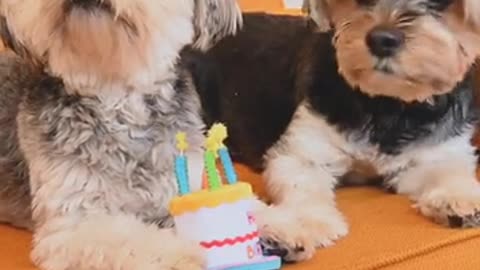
(9, 40)
(5, 35)
(471, 10)
(318, 11)
(215, 19)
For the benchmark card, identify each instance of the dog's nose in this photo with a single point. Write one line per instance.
(384, 42)
(85, 3)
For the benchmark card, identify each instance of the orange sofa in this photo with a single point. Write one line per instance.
(385, 231)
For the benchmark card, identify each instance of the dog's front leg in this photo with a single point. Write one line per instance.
(300, 178)
(98, 241)
(443, 183)
(84, 221)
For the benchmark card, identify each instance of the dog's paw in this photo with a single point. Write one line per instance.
(133, 259)
(114, 243)
(295, 234)
(186, 258)
(167, 253)
(153, 256)
(450, 208)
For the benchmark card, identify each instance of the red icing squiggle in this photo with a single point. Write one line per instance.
(230, 241)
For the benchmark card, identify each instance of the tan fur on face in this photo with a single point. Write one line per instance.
(137, 43)
(129, 45)
(215, 19)
(463, 18)
(334, 12)
(471, 11)
(326, 13)
(432, 62)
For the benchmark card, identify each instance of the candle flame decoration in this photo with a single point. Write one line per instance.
(219, 132)
(182, 143)
(214, 148)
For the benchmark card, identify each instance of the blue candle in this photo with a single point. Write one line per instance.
(227, 165)
(182, 174)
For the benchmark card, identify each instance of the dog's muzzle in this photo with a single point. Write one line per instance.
(88, 4)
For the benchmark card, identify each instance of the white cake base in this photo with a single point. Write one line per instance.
(228, 233)
(237, 254)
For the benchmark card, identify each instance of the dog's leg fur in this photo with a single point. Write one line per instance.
(96, 204)
(301, 177)
(80, 226)
(442, 182)
(14, 195)
(14, 188)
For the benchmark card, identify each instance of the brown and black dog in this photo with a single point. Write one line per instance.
(367, 90)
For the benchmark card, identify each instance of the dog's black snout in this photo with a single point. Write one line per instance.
(384, 42)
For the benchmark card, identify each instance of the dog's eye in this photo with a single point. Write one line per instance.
(408, 17)
(439, 5)
(366, 3)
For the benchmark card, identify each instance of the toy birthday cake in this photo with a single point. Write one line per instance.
(219, 217)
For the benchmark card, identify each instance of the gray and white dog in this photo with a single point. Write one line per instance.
(89, 108)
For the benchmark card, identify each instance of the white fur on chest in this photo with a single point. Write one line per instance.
(312, 140)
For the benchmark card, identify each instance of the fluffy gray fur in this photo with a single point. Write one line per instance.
(111, 139)
(14, 190)
(102, 155)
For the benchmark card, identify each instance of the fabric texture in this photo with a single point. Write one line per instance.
(385, 233)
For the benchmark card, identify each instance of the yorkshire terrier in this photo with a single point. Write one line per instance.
(89, 108)
(367, 90)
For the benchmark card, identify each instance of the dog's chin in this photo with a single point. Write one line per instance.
(384, 67)
(382, 80)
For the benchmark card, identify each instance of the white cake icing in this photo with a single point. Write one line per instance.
(227, 232)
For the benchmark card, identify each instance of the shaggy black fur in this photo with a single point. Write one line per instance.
(254, 82)
(257, 102)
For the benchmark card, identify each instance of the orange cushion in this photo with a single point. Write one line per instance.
(385, 233)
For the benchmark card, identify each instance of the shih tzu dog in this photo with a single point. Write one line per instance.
(89, 108)
(384, 92)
